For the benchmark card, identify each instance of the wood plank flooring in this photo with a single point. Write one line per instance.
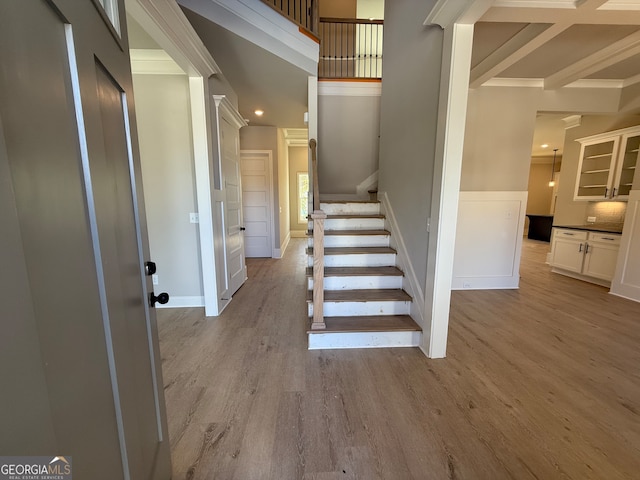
(539, 383)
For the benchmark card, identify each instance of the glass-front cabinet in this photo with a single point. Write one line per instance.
(607, 165)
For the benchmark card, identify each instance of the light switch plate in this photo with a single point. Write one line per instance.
(154, 279)
(591, 219)
(194, 218)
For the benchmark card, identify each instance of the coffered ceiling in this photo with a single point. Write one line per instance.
(558, 43)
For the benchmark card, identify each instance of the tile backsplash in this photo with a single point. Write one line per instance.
(607, 212)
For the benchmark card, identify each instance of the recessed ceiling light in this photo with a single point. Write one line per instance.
(259, 112)
(544, 145)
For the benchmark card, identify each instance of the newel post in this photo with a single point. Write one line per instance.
(318, 217)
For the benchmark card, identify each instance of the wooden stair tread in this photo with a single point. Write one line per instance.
(338, 202)
(358, 271)
(355, 215)
(380, 323)
(353, 250)
(369, 295)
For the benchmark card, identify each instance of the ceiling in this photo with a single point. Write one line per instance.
(262, 80)
(555, 44)
(559, 43)
(549, 43)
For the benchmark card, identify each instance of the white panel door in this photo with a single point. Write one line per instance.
(234, 229)
(257, 202)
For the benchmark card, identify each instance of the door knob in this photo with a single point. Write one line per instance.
(162, 298)
(149, 268)
(242, 229)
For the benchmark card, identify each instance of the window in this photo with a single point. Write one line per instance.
(303, 195)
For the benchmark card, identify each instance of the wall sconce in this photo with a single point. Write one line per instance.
(553, 168)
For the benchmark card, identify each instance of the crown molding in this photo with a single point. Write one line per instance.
(169, 27)
(153, 62)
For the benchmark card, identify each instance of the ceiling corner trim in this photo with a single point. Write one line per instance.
(447, 12)
(179, 38)
(572, 121)
(225, 106)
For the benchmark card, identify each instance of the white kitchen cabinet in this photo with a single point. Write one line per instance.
(589, 256)
(607, 165)
(601, 255)
(567, 249)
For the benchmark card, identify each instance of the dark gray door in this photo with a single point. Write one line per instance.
(79, 331)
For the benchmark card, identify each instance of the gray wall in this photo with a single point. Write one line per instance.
(348, 130)
(498, 138)
(166, 150)
(265, 138)
(569, 212)
(408, 120)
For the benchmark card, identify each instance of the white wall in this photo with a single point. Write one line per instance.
(163, 119)
(348, 131)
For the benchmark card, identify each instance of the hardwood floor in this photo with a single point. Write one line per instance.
(541, 383)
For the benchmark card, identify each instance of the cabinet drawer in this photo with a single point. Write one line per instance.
(568, 233)
(609, 238)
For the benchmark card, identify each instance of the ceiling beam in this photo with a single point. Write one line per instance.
(584, 16)
(610, 55)
(515, 49)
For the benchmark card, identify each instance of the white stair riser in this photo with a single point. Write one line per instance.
(357, 309)
(350, 208)
(364, 340)
(354, 241)
(358, 260)
(367, 223)
(360, 283)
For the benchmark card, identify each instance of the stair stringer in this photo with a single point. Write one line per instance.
(410, 280)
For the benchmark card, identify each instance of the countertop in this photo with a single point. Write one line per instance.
(595, 227)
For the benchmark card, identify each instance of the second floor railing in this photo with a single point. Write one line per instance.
(302, 12)
(350, 48)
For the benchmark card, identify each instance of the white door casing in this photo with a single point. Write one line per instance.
(257, 202)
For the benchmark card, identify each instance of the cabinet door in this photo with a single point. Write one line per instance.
(568, 254)
(627, 163)
(600, 260)
(596, 169)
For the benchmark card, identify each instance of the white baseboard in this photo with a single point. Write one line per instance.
(279, 252)
(182, 302)
(410, 282)
(298, 233)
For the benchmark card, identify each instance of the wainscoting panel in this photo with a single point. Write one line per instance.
(626, 282)
(489, 240)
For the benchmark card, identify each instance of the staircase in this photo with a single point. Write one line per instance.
(364, 303)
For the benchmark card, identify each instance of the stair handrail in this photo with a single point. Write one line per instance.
(314, 172)
(303, 13)
(318, 217)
